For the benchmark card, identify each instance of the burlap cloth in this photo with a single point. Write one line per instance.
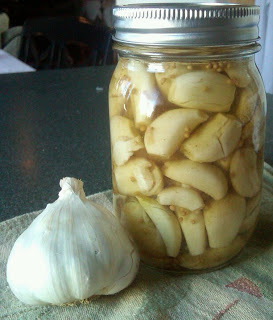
(243, 290)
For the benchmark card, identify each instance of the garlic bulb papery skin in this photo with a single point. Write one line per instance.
(73, 250)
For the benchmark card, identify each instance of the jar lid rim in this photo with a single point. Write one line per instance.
(184, 24)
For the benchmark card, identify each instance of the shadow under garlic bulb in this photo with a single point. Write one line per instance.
(187, 156)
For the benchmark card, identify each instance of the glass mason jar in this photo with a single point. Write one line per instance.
(187, 121)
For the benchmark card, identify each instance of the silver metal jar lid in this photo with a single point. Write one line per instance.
(186, 24)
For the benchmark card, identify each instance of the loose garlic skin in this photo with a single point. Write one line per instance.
(192, 127)
(73, 250)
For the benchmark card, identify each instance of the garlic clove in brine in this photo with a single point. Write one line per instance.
(73, 250)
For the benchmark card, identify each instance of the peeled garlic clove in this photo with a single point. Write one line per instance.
(122, 129)
(119, 89)
(144, 177)
(243, 172)
(149, 179)
(254, 131)
(142, 229)
(139, 175)
(249, 221)
(245, 104)
(251, 214)
(205, 90)
(116, 105)
(171, 71)
(181, 197)
(125, 139)
(252, 211)
(165, 134)
(252, 204)
(123, 150)
(238, 73)
(212, 257)
(202, 176)
(223, 219)
(215, 139)
(194, 231)
(247, 132)
(166, 223)
(73, 250)
(224, 163)
(144, 96)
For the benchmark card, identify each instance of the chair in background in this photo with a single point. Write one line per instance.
(60, 42)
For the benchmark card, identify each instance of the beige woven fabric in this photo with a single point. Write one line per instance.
(243, 290)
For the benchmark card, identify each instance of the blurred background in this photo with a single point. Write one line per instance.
(15, 13)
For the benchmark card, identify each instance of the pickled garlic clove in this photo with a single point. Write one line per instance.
(116, 105)
(125, 139)
(165, 134)
(142, 229)
(144, 177)
(252, 212)
(205, 177)
(223, 219)
(119, 88)
(194, 231)
(212, 257)
(238, 73)
(123, 150)
(122, 128)
(187, 198)
(171, 71)
(254, 131)
(244, 174)
(252, 204)
(224, 163)
(138, 175)
(205, 90)
(166, 223)
(245, 104)
(215, 139)
(144, 96)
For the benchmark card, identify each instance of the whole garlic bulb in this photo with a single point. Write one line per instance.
(73, 250)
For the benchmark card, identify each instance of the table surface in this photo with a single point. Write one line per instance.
(54, 124)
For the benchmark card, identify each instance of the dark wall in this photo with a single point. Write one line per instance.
(20, 10)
